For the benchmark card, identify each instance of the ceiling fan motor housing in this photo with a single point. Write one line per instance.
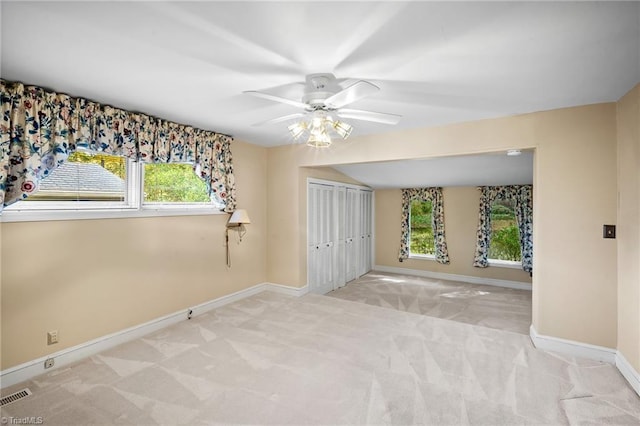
(318, 88)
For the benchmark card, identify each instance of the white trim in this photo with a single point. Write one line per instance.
(49, 215)
(628, 372)
(417, 256)
(571, 347)
(337, 183)
(35, 367)
(498, 263)
(288, 290)
(586, 350)
(453, 277)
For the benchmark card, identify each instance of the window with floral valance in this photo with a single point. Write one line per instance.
(437, 217)
(40, 128)
(523, 198)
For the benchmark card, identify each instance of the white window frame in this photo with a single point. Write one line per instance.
(133, 206)
(511, 264)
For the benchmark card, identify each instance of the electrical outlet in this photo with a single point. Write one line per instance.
(52, 337)
(49, 363)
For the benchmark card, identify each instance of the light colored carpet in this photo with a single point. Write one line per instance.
(274, 359)
(490, 306)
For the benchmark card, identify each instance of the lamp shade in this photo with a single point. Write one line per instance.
(239, 217)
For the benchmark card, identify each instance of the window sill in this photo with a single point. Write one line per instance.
(509, 264)
(422, 256)
(118, 213)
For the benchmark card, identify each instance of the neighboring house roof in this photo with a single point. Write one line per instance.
(82, 177)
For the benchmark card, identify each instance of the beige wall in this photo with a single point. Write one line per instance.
(88, 278)
(574, 281)
(93, 277)
(287, 219)
(575, 290)
(461, 222)
(628, 230)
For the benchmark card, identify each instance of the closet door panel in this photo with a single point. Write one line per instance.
(320, 239)
(340, 251)
(351, 234)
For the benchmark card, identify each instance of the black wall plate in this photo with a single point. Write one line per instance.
(608, 231)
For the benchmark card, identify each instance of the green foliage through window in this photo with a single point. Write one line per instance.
(421, 232)
(173, 183)
(505, 238)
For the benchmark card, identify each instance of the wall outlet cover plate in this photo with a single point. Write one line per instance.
(608, 231)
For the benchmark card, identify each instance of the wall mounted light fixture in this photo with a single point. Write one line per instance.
(238, 219)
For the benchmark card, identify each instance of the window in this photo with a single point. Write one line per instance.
(86, 180)
(175, 184)
(421, 232)
(505, 238)
(96, 185)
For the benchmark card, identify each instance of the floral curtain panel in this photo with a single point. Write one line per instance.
(39, 129)
(437, 221)
(523, 197)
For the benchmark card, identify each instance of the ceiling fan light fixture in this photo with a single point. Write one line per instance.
(342, 128)
(297, 129)
(323, 100)
(319, 140)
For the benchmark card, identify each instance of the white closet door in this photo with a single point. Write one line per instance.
(351, 234)
(365, 227)
(321, 238)
(340, 252)
(368, 216)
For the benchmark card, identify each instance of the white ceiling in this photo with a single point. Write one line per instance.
(463, 170)
(435, 62)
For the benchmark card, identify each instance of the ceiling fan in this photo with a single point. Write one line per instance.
(323, 99)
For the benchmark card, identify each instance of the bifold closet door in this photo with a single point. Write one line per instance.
(341, 249)
(351, 234)
(364, 231)
(321, 234)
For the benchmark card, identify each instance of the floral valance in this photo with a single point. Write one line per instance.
(40, 128)
(434, 195)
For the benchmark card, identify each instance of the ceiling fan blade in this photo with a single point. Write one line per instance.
(280, 119)
(357, 90)
(376, 117)
(276, 98)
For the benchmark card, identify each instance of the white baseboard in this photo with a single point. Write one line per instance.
(289, 291)
(452, 277)
(35, 367)
(585, 350)
(628, 372)
(571, 347)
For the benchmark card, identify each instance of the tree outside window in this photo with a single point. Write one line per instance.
(505, 238)
(421, 232)
(173, 183)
